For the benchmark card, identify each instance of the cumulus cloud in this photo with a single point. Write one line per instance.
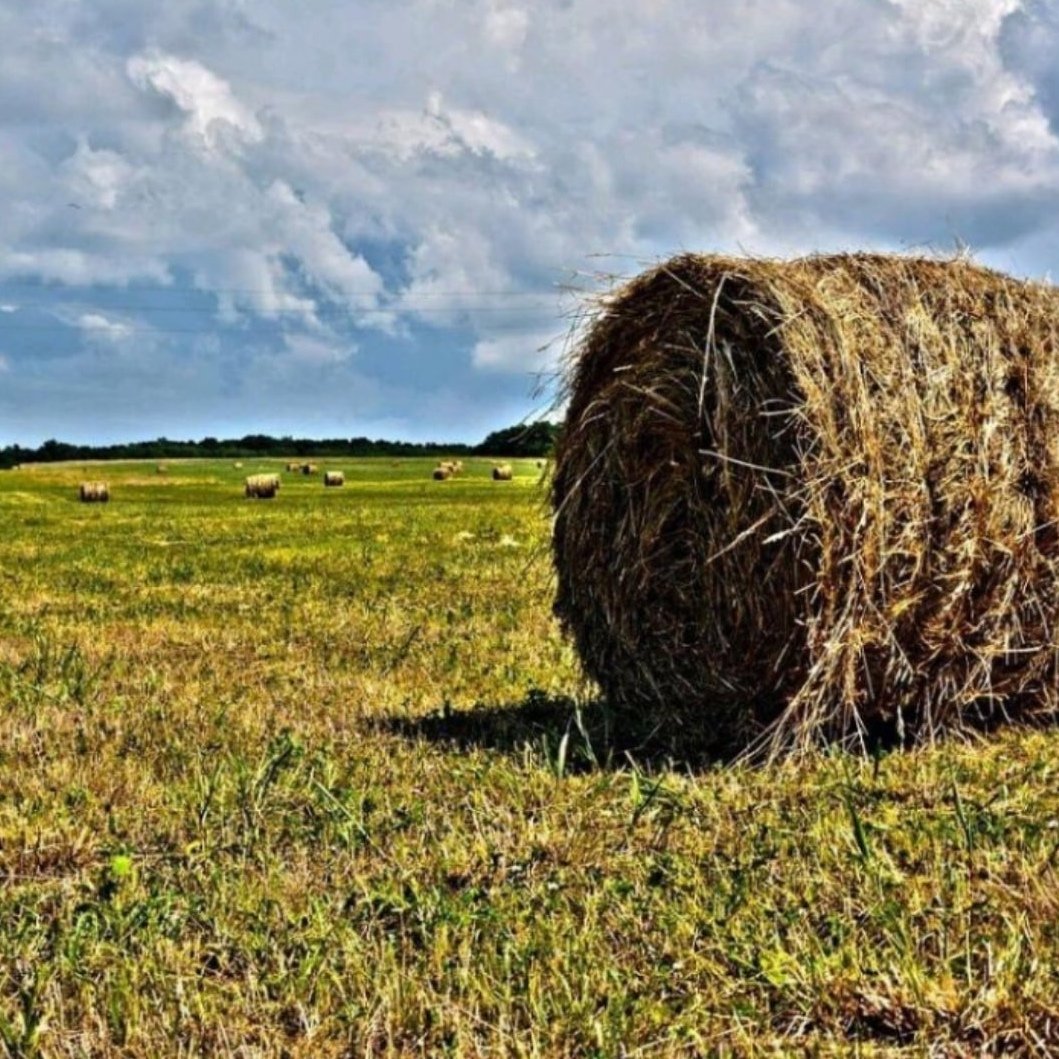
(213, 115)
(395, 200)
(96, 324)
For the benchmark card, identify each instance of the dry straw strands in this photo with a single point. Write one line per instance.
(262, 486)
(334, 478)
(503, 473)
(94, 493)
(815, 499)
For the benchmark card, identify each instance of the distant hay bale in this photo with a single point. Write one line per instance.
(238, 465)
(540, 465)
(162, 468)
(262, 486)
(503, 473)
(94, 493)
(442, 473)
(309, 468)
(334, 478)
(815, 500)
(294, 468)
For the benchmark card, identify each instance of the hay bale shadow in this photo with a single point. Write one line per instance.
(596, 737)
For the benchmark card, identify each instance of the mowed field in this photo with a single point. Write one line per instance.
(317, 776)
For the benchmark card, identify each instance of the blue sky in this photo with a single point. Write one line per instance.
(364, 217)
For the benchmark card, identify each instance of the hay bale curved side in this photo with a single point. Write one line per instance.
(815, 497)
(334, 478)
(503, 473)
(261, 486)
(442, 473)
(94, 493)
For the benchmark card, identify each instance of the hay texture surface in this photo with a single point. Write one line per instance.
(811, 500)
(503, 473)
(94, 493)
(442, 473)
(261, 486)
(334, 478)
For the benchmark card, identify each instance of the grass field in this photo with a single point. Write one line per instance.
(317, 777)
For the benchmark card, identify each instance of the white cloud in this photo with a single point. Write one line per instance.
(8, 308)
(520, 351)
(407, 169)
(98, 325)
(5, 364)
(213, 114)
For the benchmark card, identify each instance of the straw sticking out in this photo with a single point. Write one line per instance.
(815, 499)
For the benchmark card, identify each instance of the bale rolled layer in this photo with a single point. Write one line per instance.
(94, 493)
(261, 486)
(815, 499)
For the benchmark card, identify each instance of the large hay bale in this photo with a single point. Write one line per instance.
(262, 486)
(294, 468)
(503, 473)
(94, 493)
(442, 473)
(309, 468)
(334, 478)
(815, 499)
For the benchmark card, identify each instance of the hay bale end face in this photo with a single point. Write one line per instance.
(261, 486)
(334, 478)
(94, 493)
(815, 500)
(503, 473)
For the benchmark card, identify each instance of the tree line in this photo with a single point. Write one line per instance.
(526, 440)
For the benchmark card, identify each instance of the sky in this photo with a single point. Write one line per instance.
(374, 217)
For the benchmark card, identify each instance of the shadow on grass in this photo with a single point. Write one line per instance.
(565, 735)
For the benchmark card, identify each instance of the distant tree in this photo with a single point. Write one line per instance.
(527, 439)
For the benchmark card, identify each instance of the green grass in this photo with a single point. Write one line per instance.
(317, 777)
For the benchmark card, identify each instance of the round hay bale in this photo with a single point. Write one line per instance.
(309, 468)
(94, 493)
(294, 468)
(503, 473)
(442, 473)
(815, 500)
(334, 478)
(162, 468)
(262, 486)
(238, 465)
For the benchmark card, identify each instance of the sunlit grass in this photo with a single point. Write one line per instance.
(317, 776)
